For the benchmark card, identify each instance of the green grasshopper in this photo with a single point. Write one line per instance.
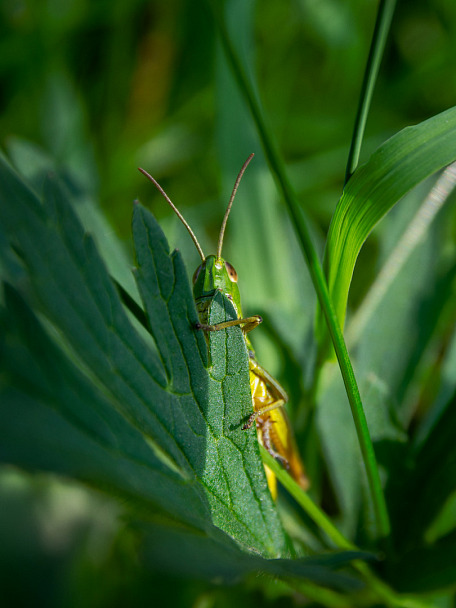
(268, 397)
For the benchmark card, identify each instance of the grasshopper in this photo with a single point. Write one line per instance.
(268, 397)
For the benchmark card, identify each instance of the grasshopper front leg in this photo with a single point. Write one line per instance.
(246, 324)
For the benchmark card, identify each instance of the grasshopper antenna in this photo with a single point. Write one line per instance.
(228, 209)
(175, 209)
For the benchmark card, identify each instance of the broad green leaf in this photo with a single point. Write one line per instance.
(55, 418)
(225, 458)
(167, 399)
(395, 168)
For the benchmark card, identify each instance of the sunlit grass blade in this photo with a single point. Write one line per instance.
(304, 500)
(412, 237)
(396, 167)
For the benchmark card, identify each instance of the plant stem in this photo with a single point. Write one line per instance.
(382, 25)
(278, 169)
(303, 499)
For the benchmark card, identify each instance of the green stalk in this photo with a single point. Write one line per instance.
(303, 499)
(382, 25)
(278, 169)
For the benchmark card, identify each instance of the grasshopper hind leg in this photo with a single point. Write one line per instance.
(265, 426)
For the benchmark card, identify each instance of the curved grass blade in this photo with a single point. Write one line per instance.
(396, 167)
(409, 241)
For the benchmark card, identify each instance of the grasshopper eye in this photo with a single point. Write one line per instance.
(197, 273)
(231, 272)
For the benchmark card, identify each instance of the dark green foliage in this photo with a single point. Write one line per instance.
(127, 478)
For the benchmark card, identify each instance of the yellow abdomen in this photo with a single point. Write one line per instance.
(273, 427)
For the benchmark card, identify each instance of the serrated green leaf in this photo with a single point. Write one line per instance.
(55, 418)
(212, 406)
(165, 398)
(395, 168)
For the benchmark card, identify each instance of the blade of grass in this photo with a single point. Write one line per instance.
(382, 25)
(414, 234)
(397, 166)
(278, 169)
(304, 500)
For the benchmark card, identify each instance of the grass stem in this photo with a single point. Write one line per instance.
(381, 29)
(278, 170)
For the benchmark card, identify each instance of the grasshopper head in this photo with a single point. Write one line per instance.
(215, 274)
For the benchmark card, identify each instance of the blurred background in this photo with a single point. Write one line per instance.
(104, 87)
